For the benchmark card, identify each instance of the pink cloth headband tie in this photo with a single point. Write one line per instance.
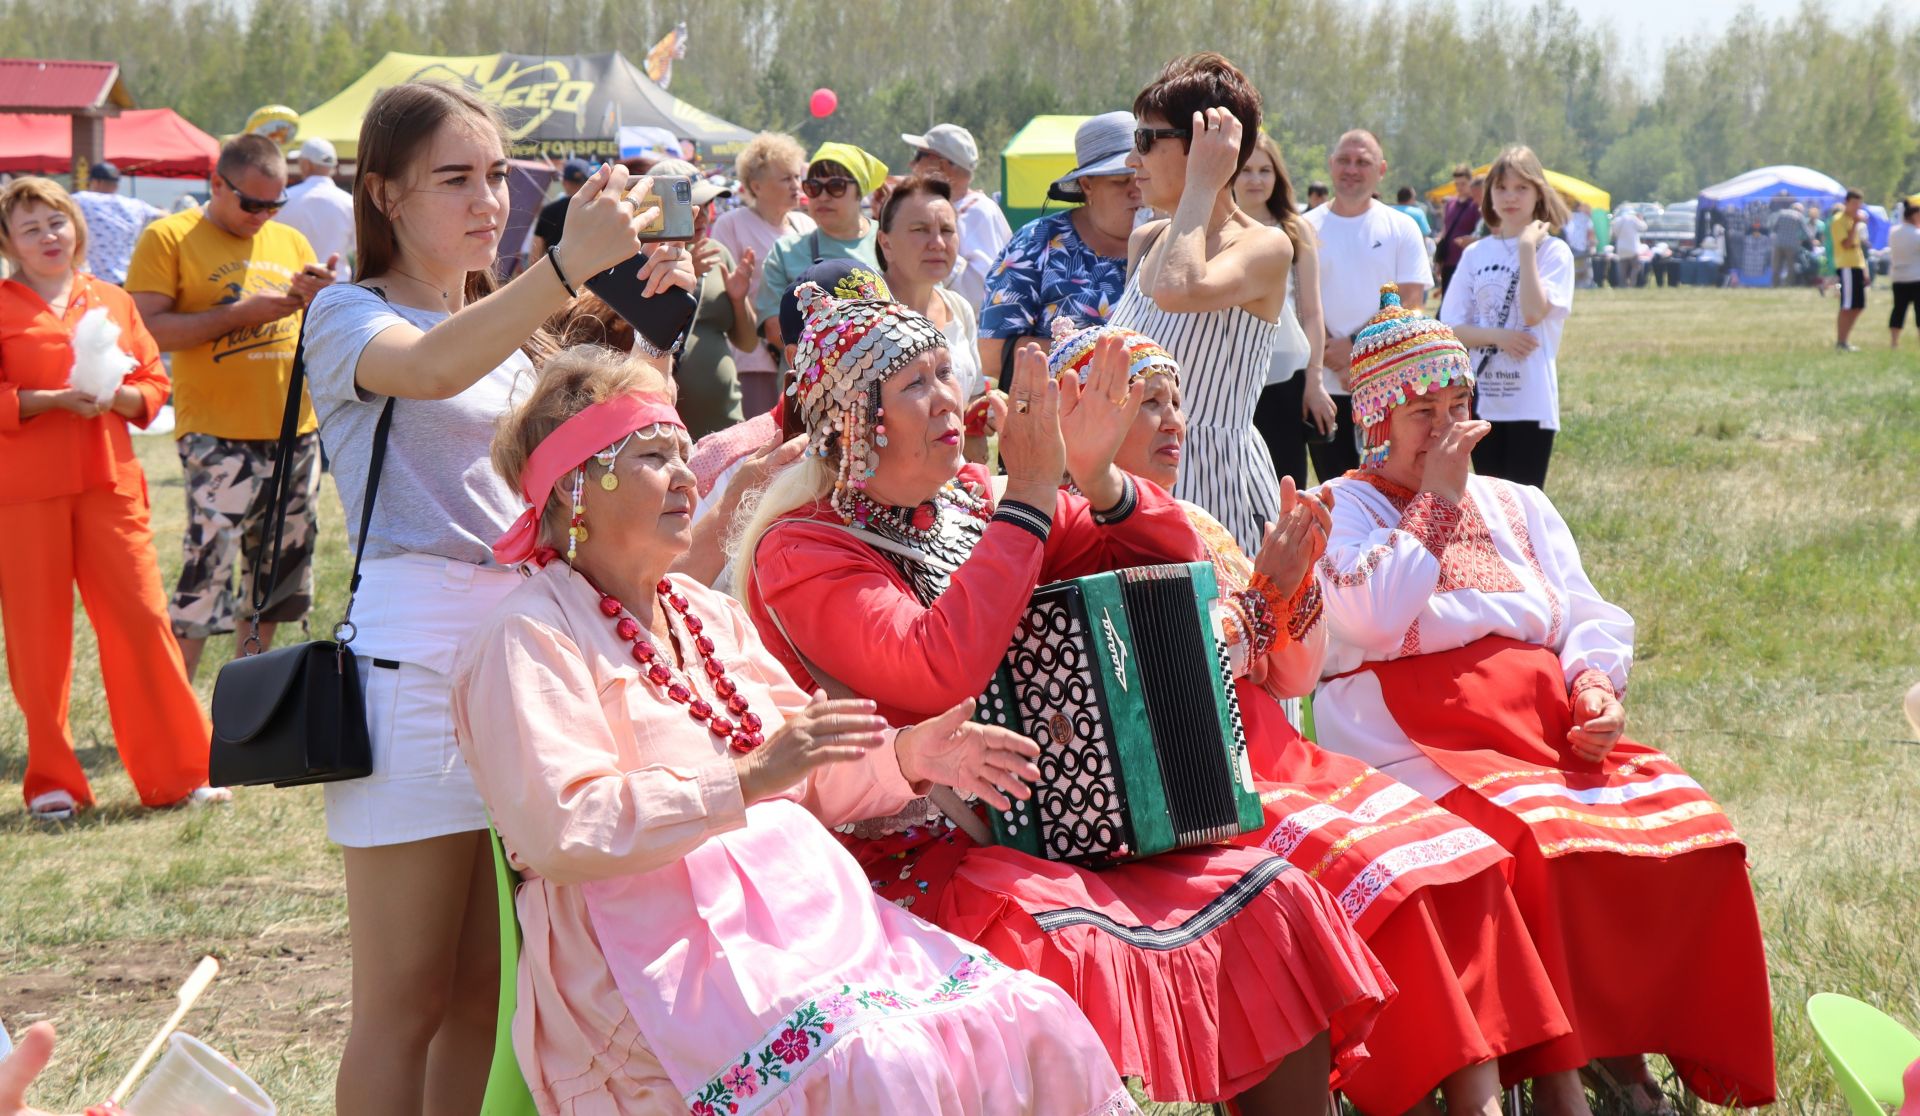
(566, 449)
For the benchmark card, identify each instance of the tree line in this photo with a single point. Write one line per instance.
(1438, 85)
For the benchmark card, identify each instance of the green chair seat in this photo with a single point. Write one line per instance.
(507, 1093)
(1867, 1049)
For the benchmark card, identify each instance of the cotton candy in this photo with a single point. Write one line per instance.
(99, 364)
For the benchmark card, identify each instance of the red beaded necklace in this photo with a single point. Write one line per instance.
(742, 737)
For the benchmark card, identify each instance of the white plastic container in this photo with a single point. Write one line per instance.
(194, 1079)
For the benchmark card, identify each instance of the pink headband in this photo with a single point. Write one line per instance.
(567, 448)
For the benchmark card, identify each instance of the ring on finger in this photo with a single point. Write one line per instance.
(1020, 407)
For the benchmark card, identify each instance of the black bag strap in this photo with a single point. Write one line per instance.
(343, 632)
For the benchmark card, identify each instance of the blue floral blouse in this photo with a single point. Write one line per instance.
(1045, 272)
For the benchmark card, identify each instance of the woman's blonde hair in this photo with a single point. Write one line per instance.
(1520, 162)
(570, 381)
(765, 150)
(804, 482)
(32, 190)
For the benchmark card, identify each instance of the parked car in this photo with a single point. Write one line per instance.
(1672, 227)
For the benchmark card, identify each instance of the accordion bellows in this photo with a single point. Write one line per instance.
(1121, 680)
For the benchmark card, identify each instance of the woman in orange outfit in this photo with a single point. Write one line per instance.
(73, 510)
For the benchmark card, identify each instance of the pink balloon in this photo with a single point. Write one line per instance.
(823, 102)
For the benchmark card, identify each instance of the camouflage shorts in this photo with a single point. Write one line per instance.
(229, 490)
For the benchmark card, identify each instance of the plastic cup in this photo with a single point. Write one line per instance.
(194, 1079)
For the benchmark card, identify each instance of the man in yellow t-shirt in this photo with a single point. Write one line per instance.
(222, 289)
(1850, 266)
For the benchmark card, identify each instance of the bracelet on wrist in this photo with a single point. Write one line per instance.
(553, 257)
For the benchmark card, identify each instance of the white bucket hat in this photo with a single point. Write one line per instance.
(1100, 145)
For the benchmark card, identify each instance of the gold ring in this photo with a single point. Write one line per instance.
(1119, 400)
(1020, 407)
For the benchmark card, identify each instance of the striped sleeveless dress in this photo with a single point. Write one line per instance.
(1224, 356)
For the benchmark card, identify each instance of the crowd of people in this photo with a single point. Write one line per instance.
(700, 629)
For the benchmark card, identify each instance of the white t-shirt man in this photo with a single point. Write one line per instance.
(984, 234)
(1513, 389)
(324, 212)
(1626, 234)
(1903, 245)
(1358, 256)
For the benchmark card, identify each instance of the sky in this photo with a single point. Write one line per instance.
(1657, 24)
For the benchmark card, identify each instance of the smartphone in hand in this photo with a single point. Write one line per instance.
(673, 193)
(662, 319)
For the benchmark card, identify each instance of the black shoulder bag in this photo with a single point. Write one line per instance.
(295, 715)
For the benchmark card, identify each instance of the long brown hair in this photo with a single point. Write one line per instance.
(394, 135)
(1280, 203)
(1520, 162)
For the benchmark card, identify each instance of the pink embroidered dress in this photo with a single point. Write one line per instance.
(687, 952)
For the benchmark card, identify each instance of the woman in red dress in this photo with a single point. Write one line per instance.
(1425, 889)
(881, 565)
(1471, 657)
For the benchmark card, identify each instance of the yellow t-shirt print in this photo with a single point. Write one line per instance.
(234, 386)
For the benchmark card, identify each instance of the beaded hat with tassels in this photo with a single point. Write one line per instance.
(1073, 351)
(847, 349)
(1399, 354)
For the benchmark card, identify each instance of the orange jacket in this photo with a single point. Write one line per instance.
(58, 453)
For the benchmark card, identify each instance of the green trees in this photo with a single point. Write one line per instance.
(1438, 82)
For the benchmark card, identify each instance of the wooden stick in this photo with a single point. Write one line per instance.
(203, 975)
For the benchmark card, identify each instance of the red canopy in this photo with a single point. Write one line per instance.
(154, 143)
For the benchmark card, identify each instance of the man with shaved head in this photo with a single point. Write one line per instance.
(1363, 245)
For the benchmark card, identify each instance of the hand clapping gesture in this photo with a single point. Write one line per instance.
(984, 760)
(826, 731)
(740, 279)
(1095, 417)
(1030, 441)
(1213, 152)
(1290, 547)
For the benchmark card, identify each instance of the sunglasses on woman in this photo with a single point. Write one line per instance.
(835, 187)
(254, 205)
(1144, 138)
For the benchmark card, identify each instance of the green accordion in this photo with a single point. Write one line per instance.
(1121, 680)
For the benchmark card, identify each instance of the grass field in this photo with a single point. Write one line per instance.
(1747, 493)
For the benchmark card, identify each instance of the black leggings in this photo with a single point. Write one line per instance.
(1904, 295)
(1342, 455)
(1279, 419)
(1515, 451)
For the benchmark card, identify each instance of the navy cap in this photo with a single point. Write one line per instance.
(105, 172)
(841, 278)
(575, 170)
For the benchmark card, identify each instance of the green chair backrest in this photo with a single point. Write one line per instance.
(1867, 1049)
(507, 1093)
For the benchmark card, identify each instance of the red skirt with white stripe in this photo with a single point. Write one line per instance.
(1429, 894)
(1632, 880)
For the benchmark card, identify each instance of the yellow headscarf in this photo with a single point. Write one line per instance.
(868, 171)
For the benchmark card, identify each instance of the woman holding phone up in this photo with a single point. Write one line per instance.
(430, 205)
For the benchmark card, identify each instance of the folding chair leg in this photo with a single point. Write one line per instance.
(1513, 1101)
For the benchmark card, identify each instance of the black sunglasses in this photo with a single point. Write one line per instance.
(1143, 138)
(835, 187)
(254, 205)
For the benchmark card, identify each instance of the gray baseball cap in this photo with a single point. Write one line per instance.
(1100, 145)
(949, 141)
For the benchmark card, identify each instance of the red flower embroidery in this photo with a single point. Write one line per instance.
(702, 1108)
(791, 1046)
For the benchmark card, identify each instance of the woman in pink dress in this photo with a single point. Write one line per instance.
(1426, 890)
(695, 939)
(884, 565)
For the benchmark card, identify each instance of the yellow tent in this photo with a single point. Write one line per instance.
(1568, 186)
(554, 104)
(1035, 156)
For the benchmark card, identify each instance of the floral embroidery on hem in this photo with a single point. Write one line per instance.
(800, 1040)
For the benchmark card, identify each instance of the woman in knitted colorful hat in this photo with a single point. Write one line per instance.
(1470, 657)
(695, 939)
(886, 566)
(1425, 889)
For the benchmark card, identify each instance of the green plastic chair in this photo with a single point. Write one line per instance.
(507, 1093)
(1868, 1050)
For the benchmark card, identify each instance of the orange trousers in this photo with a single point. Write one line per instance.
(101, 540)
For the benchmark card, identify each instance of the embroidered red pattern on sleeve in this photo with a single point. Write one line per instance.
(1592, 678)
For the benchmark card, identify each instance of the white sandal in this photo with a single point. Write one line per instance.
(209, 796)
(53, 806)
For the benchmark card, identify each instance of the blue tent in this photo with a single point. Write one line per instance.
(1747, 204)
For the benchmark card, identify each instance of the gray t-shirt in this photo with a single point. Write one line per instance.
(438, 491)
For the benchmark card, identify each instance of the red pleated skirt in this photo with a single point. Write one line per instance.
(1429, 894)
(1632, 882)
(1201, 969)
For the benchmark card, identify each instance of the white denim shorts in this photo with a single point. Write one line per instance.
(413, 612)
